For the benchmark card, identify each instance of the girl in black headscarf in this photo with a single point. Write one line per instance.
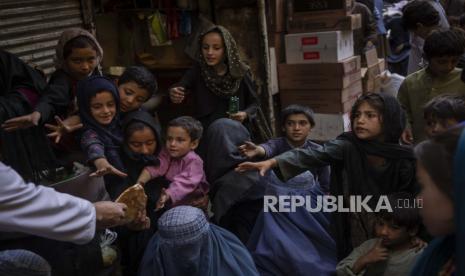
(366, 161)
(141, 146)
(219, 75)
(101, 137)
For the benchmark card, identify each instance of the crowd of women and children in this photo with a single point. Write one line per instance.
(206, 176)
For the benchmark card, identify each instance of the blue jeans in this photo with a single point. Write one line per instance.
(23, 263)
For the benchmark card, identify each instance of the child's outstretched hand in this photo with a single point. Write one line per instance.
(164, 197)
(250, 150)
(104, 168)
(262, 167)
(61, 129)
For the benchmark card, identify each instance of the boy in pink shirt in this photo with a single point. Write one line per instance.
(180, 165)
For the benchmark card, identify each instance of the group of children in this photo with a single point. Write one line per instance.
(102, 123)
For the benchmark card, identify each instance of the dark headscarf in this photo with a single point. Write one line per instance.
(136, 161)
(67, 36)
(227, 85)
(393, 126)
(186, 244)
(88, 88)
(398, 174)
(27, 151)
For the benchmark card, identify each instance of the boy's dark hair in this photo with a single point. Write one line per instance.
(294, 109)
(191, 125)
(436, 156)
(444, 43)
(373, 99)
(445, 107)
(404, 211)
(419, 11)
(79, 42)
(142, 76)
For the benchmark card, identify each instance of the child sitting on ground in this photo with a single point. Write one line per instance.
(180, 165)
(297, 122)
(393, 251)
(443, 112)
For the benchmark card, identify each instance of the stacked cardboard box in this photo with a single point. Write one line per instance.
(321, 70)
(371, 74)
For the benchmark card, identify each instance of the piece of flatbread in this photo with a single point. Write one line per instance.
(135, 198)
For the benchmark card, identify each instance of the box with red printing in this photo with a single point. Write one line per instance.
(319, 47)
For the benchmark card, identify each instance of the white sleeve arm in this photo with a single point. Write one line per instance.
(42, 211)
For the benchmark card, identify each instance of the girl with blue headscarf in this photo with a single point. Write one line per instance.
(98, 102)
(440, 168)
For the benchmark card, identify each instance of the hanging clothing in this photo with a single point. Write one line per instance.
(27, 150)
(296, 242)
(186, 244)
(352, 174)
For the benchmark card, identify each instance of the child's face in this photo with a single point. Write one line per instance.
(213, 48)
(367, 123)
(435, 126)
(178, 142)
(131, 96)
(81, 62)
(392, 235)
(143, 141)
(442, 66)
(297, 128)
(437, 211)
(103, 107)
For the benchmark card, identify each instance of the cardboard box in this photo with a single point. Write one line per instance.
(370, 58)
(335, 95)
(319, 47)
(289, 97)
(344, 67)
(329, 126)
(324, 22)
(290, 81)
(338, 7)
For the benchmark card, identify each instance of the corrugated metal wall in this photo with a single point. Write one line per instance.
(31, 28)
